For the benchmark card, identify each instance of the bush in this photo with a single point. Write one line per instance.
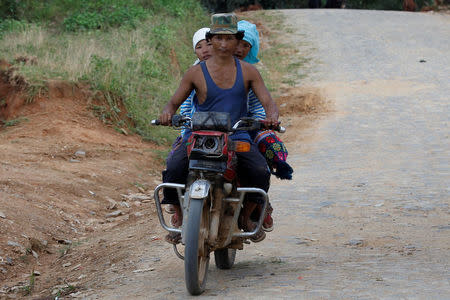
(228, 6)
(38, 11)
(77, 14)
(374, 4)
(221, 6)
(12, 25)
(8, 9)
(274, 4)
(103, 14)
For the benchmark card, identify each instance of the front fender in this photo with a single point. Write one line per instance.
(199, 189)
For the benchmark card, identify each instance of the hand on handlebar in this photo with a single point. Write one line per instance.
(277, 127)
(166, 117)
(272, 119)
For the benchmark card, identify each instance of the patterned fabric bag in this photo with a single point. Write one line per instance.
(275, 152)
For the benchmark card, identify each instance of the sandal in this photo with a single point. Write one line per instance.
(169, 209)
(267, 223)
(173, 238)
(258, 237)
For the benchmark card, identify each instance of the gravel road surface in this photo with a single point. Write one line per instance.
(367, 215)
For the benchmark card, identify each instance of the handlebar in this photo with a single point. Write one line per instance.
(253, 124)
(245, 123)
(277, 127)
(281, 129)
(177, 121)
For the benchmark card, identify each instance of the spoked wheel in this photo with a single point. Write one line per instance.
(196, 253)
(225, 258)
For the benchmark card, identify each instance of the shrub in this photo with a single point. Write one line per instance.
(103, 14)
(8, 9)
(9, 25)
(228, 6)
(374, 4)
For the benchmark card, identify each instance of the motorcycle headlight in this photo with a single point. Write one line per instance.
(209, 144)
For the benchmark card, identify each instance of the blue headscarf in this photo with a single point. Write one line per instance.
(251, 36)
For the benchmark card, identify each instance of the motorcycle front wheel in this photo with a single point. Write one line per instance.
(196, 253)
(224, 258)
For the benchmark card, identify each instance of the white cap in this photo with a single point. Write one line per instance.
(199, 35)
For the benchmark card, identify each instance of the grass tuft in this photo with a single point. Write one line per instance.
(28, 289)
(14, 122)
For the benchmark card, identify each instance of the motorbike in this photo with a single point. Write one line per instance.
(211, 200)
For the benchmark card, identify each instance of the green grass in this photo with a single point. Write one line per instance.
(66, 290)
(28, 289)
(139, 64)
(14, 122)
(161, 155)
(67, 248)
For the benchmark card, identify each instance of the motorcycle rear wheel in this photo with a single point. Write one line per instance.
(224, 258)
(196, 254)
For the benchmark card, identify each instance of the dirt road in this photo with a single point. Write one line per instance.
(367, 214)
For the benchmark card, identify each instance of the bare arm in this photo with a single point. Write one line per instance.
(259, 88)
(183, 91)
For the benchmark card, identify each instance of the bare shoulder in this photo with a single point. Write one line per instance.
(249, 70)
(246, 66)
(193, 71)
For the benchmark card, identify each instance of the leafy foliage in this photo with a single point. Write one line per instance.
(227, 6)
(273, 4)
(8, 9)
(77, 14)
(12, 25)
(103, 14)
(374, 4)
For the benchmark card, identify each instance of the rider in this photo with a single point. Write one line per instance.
(202, 49)
(267, 141)
(221, 84)
(246, 50)
(269, 144)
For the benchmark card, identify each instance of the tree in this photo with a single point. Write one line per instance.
(8, 9)
(314, 3)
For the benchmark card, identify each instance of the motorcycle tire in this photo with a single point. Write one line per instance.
(195, 263)
(224, 258)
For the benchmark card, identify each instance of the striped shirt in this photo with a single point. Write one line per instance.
(255, 108)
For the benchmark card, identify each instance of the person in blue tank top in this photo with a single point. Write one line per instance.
(221, 84)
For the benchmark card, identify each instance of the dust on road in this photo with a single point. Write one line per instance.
(367, 214)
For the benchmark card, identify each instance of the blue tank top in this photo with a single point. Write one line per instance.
(232, 100)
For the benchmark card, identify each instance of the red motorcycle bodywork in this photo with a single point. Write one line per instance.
(227, 151)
